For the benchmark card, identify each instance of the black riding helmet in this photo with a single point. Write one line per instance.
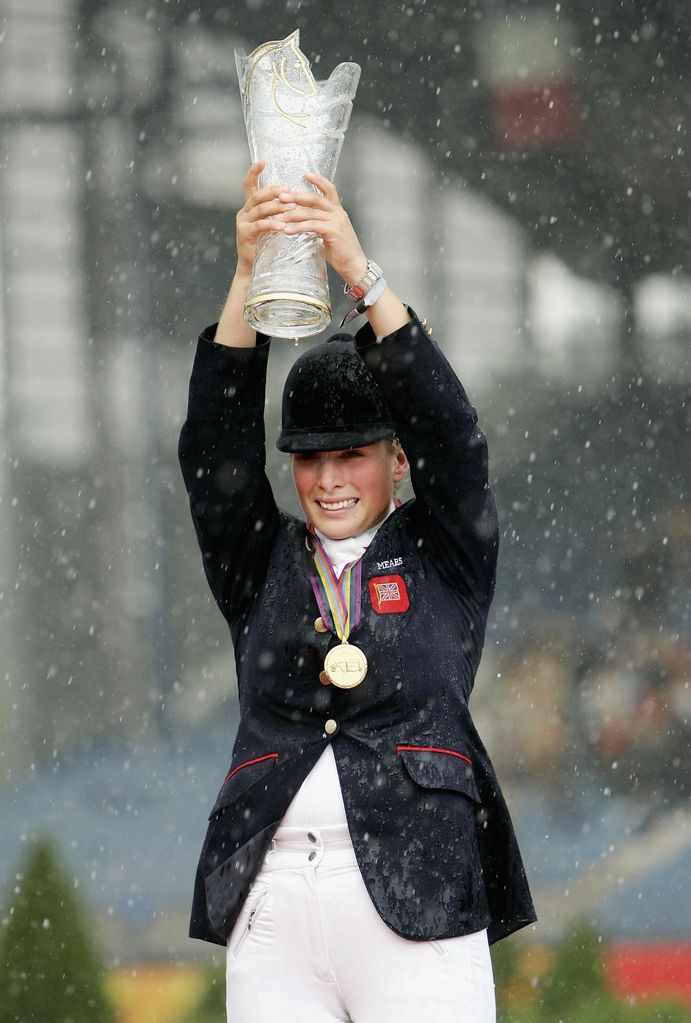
(332, 402)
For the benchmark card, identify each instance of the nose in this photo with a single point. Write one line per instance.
(330, 473)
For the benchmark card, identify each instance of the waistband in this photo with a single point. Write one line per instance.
(333, 836)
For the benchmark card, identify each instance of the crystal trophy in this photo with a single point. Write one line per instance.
(295, 124)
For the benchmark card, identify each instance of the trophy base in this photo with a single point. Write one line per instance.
(284, 314)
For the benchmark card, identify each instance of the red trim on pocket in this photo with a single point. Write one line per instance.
(434, 749)
(247, 763)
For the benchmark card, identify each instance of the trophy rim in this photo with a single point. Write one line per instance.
(291, 296)
(315, 322)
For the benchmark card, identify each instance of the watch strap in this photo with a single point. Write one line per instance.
(369, 299)
(372, 274)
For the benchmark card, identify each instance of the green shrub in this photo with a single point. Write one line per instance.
(49, 972)
(212, 1006)
(574, 990)
(656, 1011)
(576, 976)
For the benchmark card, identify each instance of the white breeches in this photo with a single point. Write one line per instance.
(309, 947)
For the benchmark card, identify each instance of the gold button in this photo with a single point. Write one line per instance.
(319, 625)
(330, 726)
(324, 678)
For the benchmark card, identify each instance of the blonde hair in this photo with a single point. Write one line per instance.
(394, 447)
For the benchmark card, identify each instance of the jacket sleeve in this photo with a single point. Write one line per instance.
(454, 511)
(222, 456)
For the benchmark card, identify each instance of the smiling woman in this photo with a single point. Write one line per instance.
(343, 493)
(360, 857)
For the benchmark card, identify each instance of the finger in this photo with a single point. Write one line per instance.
(269, 225)
(269, 208)
(319, 227)
(296, 215)
(250, 231)
(312, 199)
(263, 195)
(251, 179)
(324, 185)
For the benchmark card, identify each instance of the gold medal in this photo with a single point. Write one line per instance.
(346, 665)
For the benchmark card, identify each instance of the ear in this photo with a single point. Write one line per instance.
(400, 465)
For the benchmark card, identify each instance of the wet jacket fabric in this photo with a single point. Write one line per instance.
(429, 826)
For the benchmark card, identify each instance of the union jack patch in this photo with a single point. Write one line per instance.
(388, 594)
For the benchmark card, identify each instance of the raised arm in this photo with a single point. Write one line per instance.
(322, 213)
(454, 511)
(222, 447)
(222, 456)
(259, 214)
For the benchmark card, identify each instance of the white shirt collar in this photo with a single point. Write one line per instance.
(342, 552)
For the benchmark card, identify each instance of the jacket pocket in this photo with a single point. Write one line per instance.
(436, 767)
(240, 778)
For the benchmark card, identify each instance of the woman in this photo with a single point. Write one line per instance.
(359, 857)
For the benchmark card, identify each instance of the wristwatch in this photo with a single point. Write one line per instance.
(372, 274)
(366, 292)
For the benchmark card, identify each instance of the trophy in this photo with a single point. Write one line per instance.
(295, 124)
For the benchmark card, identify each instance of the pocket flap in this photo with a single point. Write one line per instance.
(241, 777)
(435, 767)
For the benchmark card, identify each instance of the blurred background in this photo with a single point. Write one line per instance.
(521, 170)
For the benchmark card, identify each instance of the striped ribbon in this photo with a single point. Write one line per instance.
(339, 600)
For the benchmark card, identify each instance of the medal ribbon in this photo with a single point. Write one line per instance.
(339, 600)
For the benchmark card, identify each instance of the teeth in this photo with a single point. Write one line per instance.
(338, 505)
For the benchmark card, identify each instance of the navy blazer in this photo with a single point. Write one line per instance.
(429, 826)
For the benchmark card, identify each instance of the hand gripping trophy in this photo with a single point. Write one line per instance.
(295, 124)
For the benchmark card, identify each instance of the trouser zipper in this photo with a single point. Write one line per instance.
(250, 920)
